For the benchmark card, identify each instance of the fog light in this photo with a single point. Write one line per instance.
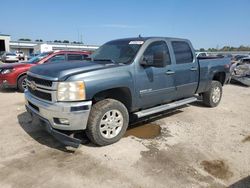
(63, 121)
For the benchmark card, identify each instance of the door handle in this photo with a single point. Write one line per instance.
(170, 72)
(194, 69)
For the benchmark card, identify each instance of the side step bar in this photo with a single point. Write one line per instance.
(165, 107)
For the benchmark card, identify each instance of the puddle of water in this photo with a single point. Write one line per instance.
(217, 168)
(146, 131)
(247, 139)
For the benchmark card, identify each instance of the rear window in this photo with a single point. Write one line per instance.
(183, 52)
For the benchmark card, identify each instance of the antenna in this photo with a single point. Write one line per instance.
(140, 36)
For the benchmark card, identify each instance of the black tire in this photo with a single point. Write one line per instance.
(20, 83)
(97, 113)
(209, 96)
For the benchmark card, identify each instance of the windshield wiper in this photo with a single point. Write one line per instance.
(111, 60)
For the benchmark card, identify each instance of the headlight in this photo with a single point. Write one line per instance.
(71, 91)
(6, 71)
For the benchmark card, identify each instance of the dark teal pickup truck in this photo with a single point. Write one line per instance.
(124, 78)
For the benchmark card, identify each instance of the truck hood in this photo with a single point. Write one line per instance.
(61, 71)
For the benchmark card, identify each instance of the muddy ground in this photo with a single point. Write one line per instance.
(193, 146)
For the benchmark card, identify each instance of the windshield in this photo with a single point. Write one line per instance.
(118, 51)
(38, 58)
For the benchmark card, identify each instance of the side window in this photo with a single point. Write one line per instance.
(56, 58)
(75, 57)
(159, 51)
(182, 52)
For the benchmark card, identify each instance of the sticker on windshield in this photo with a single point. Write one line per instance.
(136, 42)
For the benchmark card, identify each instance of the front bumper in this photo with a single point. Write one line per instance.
(4, 84)
(76, 113)
(62, 137)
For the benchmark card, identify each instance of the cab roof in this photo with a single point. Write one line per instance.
(148, 38)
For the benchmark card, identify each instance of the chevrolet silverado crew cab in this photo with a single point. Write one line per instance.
(125, 78)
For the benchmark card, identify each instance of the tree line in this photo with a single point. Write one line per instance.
(55, 41)
(227, 48)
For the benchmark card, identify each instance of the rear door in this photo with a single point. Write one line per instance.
(153, 84)
(186, 69)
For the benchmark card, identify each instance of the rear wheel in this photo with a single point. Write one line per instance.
(212, 97)
(22, 83)
(108, 121)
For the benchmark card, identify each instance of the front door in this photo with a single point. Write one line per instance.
(155, 84)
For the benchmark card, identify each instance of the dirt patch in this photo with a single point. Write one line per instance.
(217, 168)
(247, 139)
(172, 165)
(51, 165)
(146, 131)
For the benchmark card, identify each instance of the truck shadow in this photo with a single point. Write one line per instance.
(36, 131)
(199, 104)
(8, 90)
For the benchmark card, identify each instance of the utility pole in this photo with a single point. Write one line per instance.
(77, 34)
(81, 37)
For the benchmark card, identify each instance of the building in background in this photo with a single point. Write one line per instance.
(4, 43)
(30, 47)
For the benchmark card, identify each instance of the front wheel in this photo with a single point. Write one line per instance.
(212, 97)
(22, 83)
(108, 122)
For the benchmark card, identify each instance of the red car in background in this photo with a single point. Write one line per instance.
(14, 75)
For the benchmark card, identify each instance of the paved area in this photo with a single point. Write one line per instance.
(193, 146)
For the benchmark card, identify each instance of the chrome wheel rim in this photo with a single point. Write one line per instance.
(111, 124)
(24, 83)
(216, 95)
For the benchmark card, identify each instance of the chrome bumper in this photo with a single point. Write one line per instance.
(76, 113)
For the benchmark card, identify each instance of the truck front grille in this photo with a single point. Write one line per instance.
(40, 81)
(44, 89)
(40, 94)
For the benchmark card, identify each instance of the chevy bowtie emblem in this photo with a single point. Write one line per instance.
(33, 85)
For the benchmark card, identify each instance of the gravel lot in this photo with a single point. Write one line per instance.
(196, 147)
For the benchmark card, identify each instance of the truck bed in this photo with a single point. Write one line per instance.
(210, 66)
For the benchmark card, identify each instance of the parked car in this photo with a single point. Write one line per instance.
(201, 54)
(20, 55)
(133, 77)
(238, 57)
(240, 71)
(14, 75)
(9, 57)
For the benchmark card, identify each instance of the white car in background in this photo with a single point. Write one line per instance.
(9, 57)
(20, 55)
(201, 54)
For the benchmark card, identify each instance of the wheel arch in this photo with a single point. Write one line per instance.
(121, 94)
(220, 77)
(19, 76)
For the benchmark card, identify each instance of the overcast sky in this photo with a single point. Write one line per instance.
(212, 23)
